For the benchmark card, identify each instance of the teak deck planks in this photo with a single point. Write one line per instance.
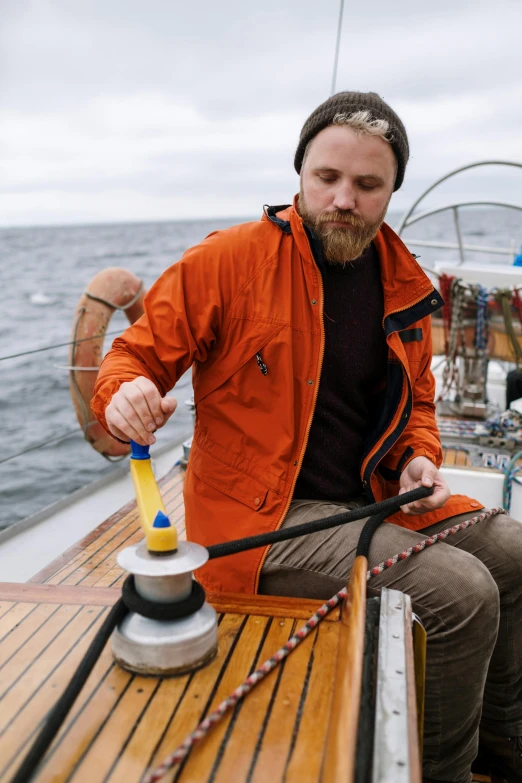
(121, 723)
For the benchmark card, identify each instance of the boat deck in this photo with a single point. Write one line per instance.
(122, 723)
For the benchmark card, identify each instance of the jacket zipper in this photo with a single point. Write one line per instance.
(389, 431)
(309, 424)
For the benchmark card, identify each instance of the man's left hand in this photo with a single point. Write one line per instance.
(421, 472)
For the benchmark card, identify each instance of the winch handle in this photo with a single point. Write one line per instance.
(160, 534)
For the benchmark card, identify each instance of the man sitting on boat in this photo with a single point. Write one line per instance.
(309, 335)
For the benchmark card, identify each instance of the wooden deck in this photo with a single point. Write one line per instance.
(121, 723)
(453, 457)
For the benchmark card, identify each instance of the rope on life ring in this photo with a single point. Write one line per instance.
(111, 289)
(124, 307)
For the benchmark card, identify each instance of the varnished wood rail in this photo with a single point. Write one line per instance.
(339, 760)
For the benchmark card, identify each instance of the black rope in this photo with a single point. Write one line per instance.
(363, 545)
(59, 345)
(378, 513)
(57, 715)
(385, 507)
(156, 611)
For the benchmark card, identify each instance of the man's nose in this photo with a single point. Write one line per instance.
(344, 198)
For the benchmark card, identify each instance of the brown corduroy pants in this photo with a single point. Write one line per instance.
(468, 593)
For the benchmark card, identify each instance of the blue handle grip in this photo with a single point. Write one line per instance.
(139, 452)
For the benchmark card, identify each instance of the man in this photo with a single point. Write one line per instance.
(309, 336)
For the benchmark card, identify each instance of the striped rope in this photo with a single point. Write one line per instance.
(240, 692)
(456, 340)
(482, 329)
(427, 542)
(511, 472)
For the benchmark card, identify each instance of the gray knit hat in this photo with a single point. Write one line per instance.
(350, 102)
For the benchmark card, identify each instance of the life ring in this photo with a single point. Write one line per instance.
(111, 289)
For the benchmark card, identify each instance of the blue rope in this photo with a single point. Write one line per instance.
(511, 471)
(482, 331)
(482, 328)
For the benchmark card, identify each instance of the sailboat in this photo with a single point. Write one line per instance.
(346, 703)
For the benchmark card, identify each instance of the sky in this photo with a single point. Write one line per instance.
(163, 110)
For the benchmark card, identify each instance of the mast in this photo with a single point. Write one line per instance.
(337, 46)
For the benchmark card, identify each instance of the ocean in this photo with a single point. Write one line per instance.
(44, 272)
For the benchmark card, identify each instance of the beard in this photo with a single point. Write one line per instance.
(341, 245)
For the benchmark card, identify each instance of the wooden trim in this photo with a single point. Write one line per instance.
(339, 760)
(58, 594)
(232, 603)
(268, 605)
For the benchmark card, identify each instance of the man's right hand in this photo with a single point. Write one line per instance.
(137, 410)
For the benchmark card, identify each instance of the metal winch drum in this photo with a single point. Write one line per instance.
(162, 569)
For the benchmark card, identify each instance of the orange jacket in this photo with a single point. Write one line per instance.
(255, 288)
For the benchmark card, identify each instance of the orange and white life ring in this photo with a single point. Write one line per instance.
(111, 289)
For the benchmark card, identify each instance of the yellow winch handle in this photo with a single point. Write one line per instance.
(160, 534)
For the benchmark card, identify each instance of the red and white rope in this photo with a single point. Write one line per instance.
(450, 531)
(177, 756)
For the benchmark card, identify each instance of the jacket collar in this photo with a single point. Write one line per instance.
(408, 292)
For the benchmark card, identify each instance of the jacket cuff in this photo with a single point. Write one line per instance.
(421, 453)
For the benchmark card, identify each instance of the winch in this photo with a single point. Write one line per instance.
(170, 629)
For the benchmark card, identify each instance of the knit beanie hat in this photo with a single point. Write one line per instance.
(349, 103)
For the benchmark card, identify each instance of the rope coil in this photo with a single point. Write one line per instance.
(457, 296)
(159, 611)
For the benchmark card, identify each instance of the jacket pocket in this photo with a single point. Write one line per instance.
(249, 341)
(226, 479)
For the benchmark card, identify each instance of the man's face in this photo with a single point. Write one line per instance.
(347, 181)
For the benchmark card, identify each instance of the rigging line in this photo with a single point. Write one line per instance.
(60, 345)
(47, 442)
(337, 47)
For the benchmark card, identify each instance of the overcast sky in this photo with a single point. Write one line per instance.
(115, 110)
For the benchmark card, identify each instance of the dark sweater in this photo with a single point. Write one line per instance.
(354, 371)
